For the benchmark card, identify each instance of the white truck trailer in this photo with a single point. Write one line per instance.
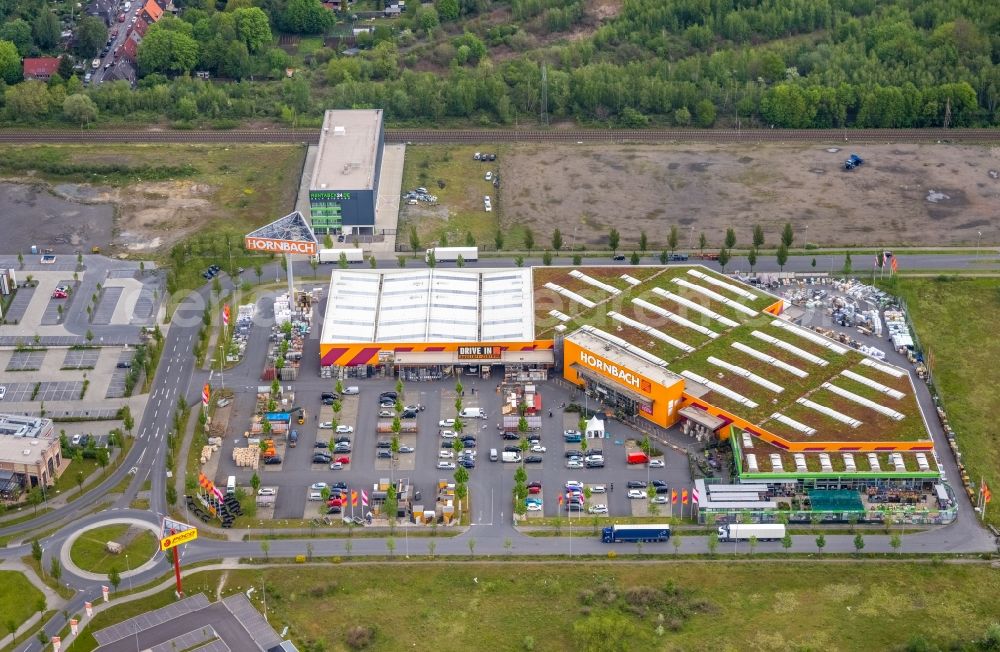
(451, 254)
(743, 532)
(333, 255)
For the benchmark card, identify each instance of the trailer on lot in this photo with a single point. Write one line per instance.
(651, 533)
(760, 531)
(333, 255)
(452, 254)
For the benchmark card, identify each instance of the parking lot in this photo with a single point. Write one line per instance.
(81, 358)
(56, 391)
(26, 360)
(490, 483)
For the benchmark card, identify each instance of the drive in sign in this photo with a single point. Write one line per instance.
(273, 246)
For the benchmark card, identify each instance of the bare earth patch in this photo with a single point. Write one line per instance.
(922, 195)
(154, 214)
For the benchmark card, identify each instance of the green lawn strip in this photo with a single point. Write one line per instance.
(19, 598)
(956, 322)
(27, 516)
(61, 589)
(67, 481)
(89, 552)
(801, 605)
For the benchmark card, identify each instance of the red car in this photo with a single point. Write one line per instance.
(59, 294)
(335, 502)
(534, 490)
(343, 460)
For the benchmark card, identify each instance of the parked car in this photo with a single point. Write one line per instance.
(574, 464)
(446, 455)
(124, 365)
(572, 453)
(326, 425)
(386, 414)
(265, 491)
(342, 448)
(321, 444)
(469, 443)
(383, 444)
(59, 294)
(468, 463)
(447, 443)
(446, 423)
(384, 455)
(339, 485)
(537, 449)
(512, 449)
(387, 404)
(350, 391)
(618, 257)
(534, 508)
(446, 466)
(598, 489)
(342, 440)
(658, 483)
(336, 466)
(534, 490)
(318, 486)
(573, 484)
(636, 484)
(274, 459)
(345, 430)
(656, 464)
(392, 396)
(598, 509)
(449, 434)
(344, 460)
(406, 449)
(321, 459)
(489, 176)
(660, 500)
(511, 436)
(533, 459)
(534, 484)
(636, 493)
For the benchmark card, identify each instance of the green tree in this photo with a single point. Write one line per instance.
(460, 261)
(895, 542)
(752, 259)
(859, 543)
(255, 482)
(470, 240)
(80, 477)
(29, 100)
(342, 260)
(752, 542)
(664, 257)
(519, 261)
(643, 241)
(431, 260)
(18, 32)
(167, 51)
(114, 578)
(723, 259)
(758, 236)
(634, 258)
(55, 568)
(529, 239)
(427, 18)
(265, 547)
(557, 240)
(472, 547)
(577, 259)
(675, 541)
(847, 264)
(614, 239)
(787, 235)
(782, 256)
(547, 258)
(713, 543)
(673, 238)
(820, 543)
(704, 113)
(447, 9)
(36, 550)
(46, 30)
(90, 37)
(391, 506)
(305, 17)
(786, 541)
(253, 28)
(730, 238)
(498, 240)
(79, 109)
(390, 545)
(702, 243)
(35, 498)
(414, 240)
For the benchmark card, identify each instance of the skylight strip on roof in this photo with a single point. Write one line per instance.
(631, 348)
(792, 423)
(864, 380)
(593, 281)
(722, 284)
(884, 368)
(677, 319)
(660, 335)
(715, 387)
(769, 359)
(687, 303)
(861, 400)
(752, 377)
(718, 297)
(570, 295)
(791, 348)
(830, 412)
(630, 280)
(809, 335)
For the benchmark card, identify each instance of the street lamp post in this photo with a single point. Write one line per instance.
(979, 239)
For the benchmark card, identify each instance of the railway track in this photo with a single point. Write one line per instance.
(311, 136)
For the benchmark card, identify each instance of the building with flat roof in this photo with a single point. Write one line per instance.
(343, 192)
(30, 453)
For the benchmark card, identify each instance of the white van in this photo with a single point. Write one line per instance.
(231, 485)
(473, 413)
(315, 495)
(493, 455)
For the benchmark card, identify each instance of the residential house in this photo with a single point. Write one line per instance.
(41, 68)
(151, 12)
(129, 49)
(140, 26)
(106, 10)
(123, 70)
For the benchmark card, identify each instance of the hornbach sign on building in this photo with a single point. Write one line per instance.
(281, 246)
(614, 371)
(479, 353)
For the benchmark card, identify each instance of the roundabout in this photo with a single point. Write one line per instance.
(84, 552)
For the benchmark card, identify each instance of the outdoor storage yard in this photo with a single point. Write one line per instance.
(141, 197)
(585, 190)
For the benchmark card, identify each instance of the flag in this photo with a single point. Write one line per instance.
(684, 497)
(89, 608)
(673, 496)
(560, 500)
(104, 592)
(354, 498)
(73, 626)
(206, 393)
(56, 643)
(987, 494)
(879, 260)
(694, 496)
(364, 498)
(894, 265)
(225, 315)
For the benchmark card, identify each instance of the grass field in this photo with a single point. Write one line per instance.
(67, 481)
(459, 210)
(19, 599)
(956, 321)
(89, 553)
(617, 605)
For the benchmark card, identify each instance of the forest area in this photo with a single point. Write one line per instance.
(625, 63)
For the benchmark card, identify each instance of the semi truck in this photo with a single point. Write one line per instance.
(451, 254)
(333, 255)
(650, 533)
(743, 532)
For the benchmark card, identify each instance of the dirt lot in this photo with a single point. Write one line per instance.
(922, 195)
(84, 196)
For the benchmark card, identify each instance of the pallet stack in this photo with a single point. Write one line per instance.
(247, 457)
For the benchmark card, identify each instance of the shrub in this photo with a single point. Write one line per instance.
(359, 637)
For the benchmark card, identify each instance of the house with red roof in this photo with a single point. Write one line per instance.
(131, 45)
(41, 68)
(140, 26)
(151, 12)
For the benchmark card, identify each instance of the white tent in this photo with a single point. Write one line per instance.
(595, 428)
